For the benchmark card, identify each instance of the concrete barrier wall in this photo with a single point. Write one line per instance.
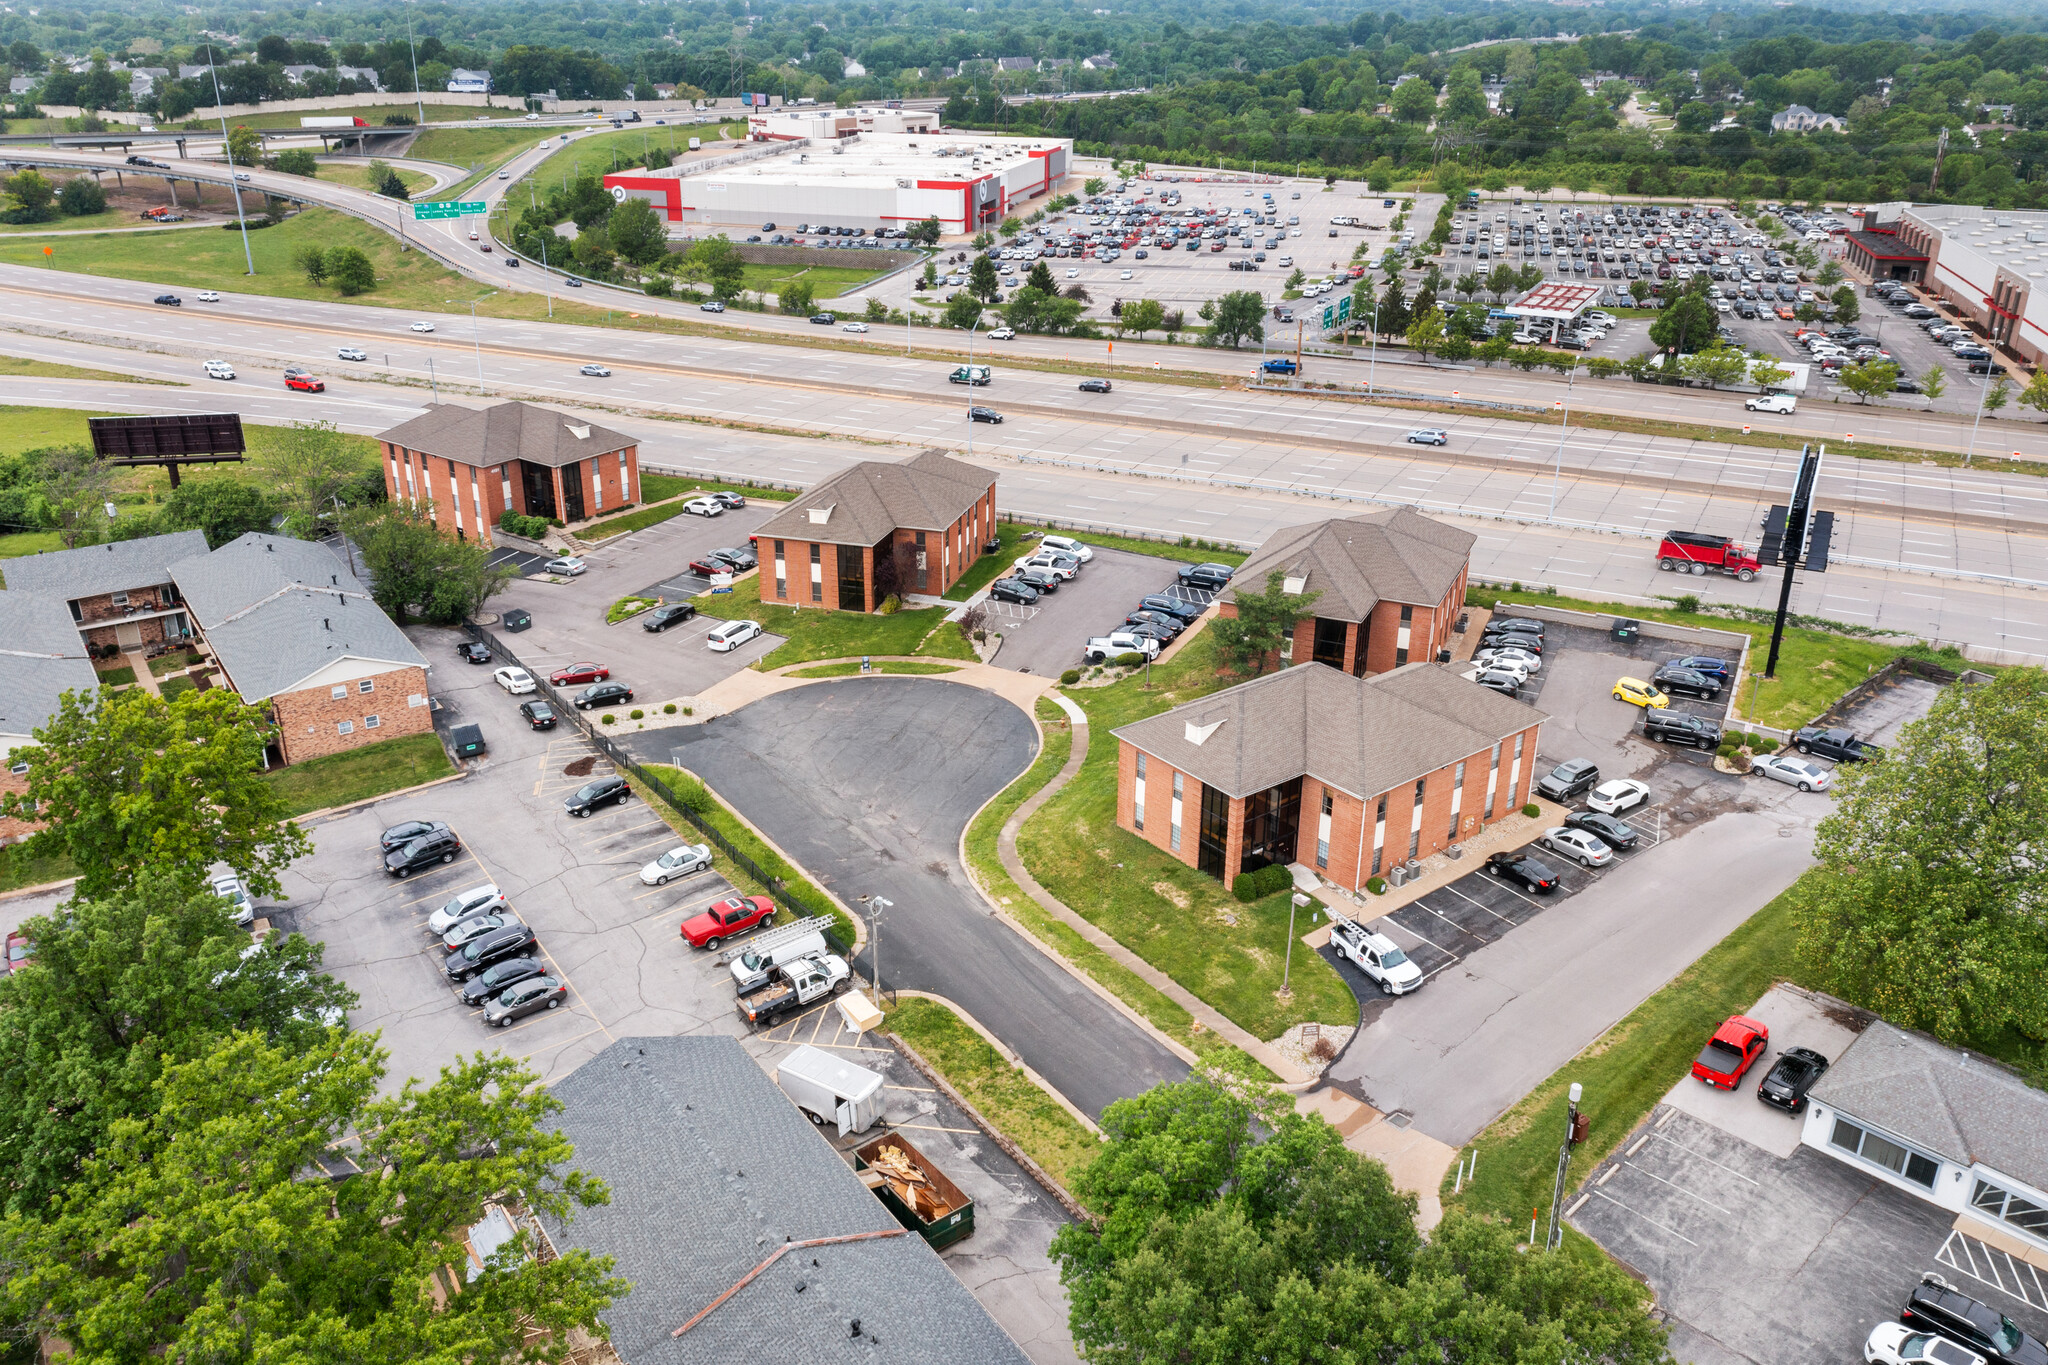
(1656, 630)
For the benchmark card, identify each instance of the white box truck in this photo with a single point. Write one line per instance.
(696, 144)
(830, 1090)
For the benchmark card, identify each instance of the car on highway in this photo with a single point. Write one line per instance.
(208, 296)
(1785, 1085)
(1581, 846)
(1003, 334)
(1730, 1052)
(1793, 772)
(303, 381)
(1534, 874)
(1428, 436)
(568, 565)
(581, 672)
(499, 975)
(823, 319)
(1636, 692)
(714, 306)
(1012, 590)
(478, 900)
(1622, 794)
(539, 715)
(667, 614)
(981, 414)
(351, 353)
(603, 694)
(853, 326)
(516, 681)
(704, 507)
(219, 369)
(1614, 833)
(423, 327)
(170, 300)
(611, 790)
(731, 636)
(1093, 386)
(684, 860)
(571, 282)
(596, 371)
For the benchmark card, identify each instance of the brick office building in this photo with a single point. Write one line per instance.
(1390, 586)
(877, 528)
(1347, 775)
(468, 465)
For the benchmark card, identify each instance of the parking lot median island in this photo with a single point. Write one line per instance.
(1229, 954)
(1181, 551)
(631, 521)
(816, 633)
(1629, 1068)
(1004, 1096)
(359, 774)
(656, 487)
(627, 607)
(1815, 667)
(990, 567)
(741, 835)
(850, 667)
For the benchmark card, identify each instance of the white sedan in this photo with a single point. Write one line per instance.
(1519, 659)
(680, 861)
(853, 327)
(208, 296)
(567, 564)
(732, 635)
(596, 371)
(517, 681)
(704, 507)
(1581, 847)
(1794, 772)
(423, 327)
(1612, 798)
(1894, 1343)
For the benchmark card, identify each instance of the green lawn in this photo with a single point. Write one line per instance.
(112, 218)
(852, 666)
(19, 869)
(1183, 922)
(1004, 1095)
(592, 155)
(50, 369)
(660, 487)
(630, 521)
(481, 149)
(359, 774)
(26, 428)
(742, 837)
(357, 174)
(1814, 668)
(814, 633)
(628, 606)
(989, 568)
(212, 259)
(1187, 550)
(826, 281)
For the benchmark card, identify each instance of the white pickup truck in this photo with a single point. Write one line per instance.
(1376, 955)
(793, 985)
(1105, 647)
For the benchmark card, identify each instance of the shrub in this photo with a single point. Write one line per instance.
(1376, 885)
(669, 709)
(1762, 744)
(890, 605)
(1070, 677)
(689, 793)
(609, 719)
(1130, 660)
(1532, 810)
(636, 714)
(689, 710)
(1687, 602)
(533, 528)
(1252, 886)
(661, 286)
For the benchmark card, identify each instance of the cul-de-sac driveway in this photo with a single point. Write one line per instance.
(868, 783)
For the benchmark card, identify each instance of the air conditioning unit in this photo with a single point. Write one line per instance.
(1454, 852)
(1414, 868)
(1397, 876)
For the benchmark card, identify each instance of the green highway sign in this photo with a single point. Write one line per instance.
(1343, 308)
(1329, 316)
(447, 208)
(1334, 315)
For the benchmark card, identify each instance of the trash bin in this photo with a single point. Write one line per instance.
(1625, 631)
(466, 740)
(516, 618)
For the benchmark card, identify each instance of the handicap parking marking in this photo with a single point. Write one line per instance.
(1989, 1265)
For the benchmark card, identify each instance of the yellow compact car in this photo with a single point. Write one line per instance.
(1636, 692)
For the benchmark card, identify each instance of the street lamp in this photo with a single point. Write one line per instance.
(1982, 389)
(876, 905)
(228, 155)
(1575, 1127)
(971, 327)
(475, 340)
(1564, 406)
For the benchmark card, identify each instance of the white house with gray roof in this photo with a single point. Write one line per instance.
(1941, 1124)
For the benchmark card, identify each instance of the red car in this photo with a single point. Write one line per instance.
(1734, 1046)
(305, 383)
(734, 915)
(579, 673)
(19, 953)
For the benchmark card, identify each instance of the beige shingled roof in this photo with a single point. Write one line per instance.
(507, 431)
(1361, 735)
(865, 502)
(1356, 563)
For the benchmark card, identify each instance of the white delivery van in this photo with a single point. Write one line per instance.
(696, 144)
(830, 1090)
(1773, 402)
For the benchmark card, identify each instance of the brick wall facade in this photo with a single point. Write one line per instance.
(309, 722)
(786, 578)
(468, 499)
(13, 831)
(1376, 645)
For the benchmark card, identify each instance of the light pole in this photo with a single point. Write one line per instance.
(876, 905)
(1295, 904)
(1372, 360)
(228, 155)
(1982, 389)
(1564, 406)
(1574, 1133)
(475, 339)
(970, 386)
(418, 99)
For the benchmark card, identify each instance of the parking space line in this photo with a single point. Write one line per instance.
(1646, 1218)
(617, 833)
(1453, 889)
(1502, 885)
(1680, 1188)
(555, 970)
(1453, 923)
(1704, 1157)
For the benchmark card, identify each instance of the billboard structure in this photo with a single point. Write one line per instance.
(197, 438)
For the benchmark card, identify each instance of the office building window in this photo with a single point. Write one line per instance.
(817, 575)
(2008, 1207)
(1379, 836)
(1415, 825)
(1401, 637)
(1173, 825)
(781, 574)
(1138, 797)
(1457, 797)
(1492, 776)
(1323, 834)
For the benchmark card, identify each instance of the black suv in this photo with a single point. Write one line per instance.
(1676, 727)
(1569, 779)
(1211, 577)
(499, 975)
(1687, 681)
(603, 694)
(662, 617)
(605, 791)
(1936, 1307)
(440, 846)
(480, 953)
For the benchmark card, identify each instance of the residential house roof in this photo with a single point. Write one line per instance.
(1016, 64)
(505, 431)
(41, 658)
(1361, 735)
(276, 611)
(94, 570)
(1356, 563)
(867, 501)
(359, 73)
(299, 71)
(711, 1168)
(1950, 1103)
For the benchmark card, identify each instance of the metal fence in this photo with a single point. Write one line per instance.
(627, 764)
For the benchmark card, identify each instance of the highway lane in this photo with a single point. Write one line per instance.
(2010, 622)
(1921, 516)
(447, 241)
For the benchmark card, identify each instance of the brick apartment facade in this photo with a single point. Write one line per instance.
(877, 528)
(1349, 776)
(468, 466)
(44, 658)
(360, 709)
(1389, 588)
(120, 595)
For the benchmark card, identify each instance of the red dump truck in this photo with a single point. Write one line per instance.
(1692, 552)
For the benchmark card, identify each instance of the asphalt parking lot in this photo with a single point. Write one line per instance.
(868, 783)
(1576, 688)
(1046, 637)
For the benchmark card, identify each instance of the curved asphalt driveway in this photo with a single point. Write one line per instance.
(868, 783)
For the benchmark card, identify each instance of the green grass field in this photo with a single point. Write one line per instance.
(50, 369)
(112, 219)
(850, 667)
(592, 155)
(359, 774)
(826, 281)
(814, 633)
(1187, 552)
(25, 428)
(357, 174)
(482, 150)
(1183, 922)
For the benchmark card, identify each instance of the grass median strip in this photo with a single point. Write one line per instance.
(1010, 537)
(50, 369)
(1185, 551)
(815, 633)
(1006, 1097)
(358, 774)
(852, 666)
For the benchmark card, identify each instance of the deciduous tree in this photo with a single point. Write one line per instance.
(414, 567)
(1426, 332)
(307, 464)
(1239, 317)
(1935, 382)
(1869, 379)
(1144, 315)
(1264, 619)
(245, 145)
(351, 270)
(636, 232)
(717, 260)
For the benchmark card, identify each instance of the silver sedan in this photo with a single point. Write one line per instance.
(1795, 772)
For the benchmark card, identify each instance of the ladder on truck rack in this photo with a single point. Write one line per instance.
(780, 934)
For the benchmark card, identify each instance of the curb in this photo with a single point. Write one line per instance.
(1010, 1056)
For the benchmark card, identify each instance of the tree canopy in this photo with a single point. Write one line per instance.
(1262, 624)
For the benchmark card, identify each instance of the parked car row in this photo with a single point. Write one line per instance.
(486, 950)
(1159, 618)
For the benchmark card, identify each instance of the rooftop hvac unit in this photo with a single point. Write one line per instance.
(902, 183)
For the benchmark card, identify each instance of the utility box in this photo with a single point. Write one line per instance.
(1625, 631)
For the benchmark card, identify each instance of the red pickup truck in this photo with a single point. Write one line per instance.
(1734, 1046)
(734, 915)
